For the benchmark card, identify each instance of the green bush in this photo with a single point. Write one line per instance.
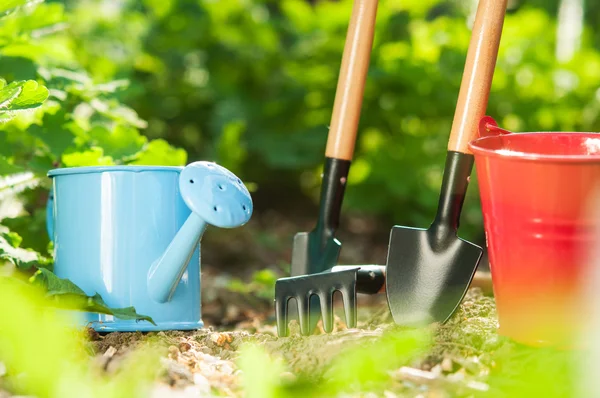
(251, 84)
(54, 114)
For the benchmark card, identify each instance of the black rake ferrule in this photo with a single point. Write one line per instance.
(455, 182)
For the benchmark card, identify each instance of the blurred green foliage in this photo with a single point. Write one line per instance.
(371, 368)
(48, 359)
(251, 84)
(53, 114)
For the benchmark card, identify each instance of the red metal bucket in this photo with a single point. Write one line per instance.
(535, 191)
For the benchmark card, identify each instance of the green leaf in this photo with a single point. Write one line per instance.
(22, 258)
(40, 164)
(32, 95)
(9, 5)
(31, 226)
(121, 142)
(68, 295)
(159, 153)
(9, 93)
(6, 117)
(47, 17)
(55, 132)
(92, 157)
(17, 68)
(117, 112)
(6, 167)
(21, 95)
(13, 239)
(55, 285)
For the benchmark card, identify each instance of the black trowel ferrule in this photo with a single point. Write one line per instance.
(335, 175)
(454, 189)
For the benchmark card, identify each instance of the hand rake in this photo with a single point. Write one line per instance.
(317, 251)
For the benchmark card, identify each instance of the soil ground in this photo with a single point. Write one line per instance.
(238, 271)
(203, 363)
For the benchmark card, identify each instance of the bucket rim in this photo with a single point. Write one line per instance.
(536, 157)
(103, 169)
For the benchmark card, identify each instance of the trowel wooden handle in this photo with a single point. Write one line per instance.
(351, 81)
(478, 73)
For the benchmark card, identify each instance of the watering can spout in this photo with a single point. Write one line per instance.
(216, 197)
(166, 272)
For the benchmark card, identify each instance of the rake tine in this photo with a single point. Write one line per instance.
(348, 280)
(326, 299)
(349, 298)
(281, 309)
(304, 313)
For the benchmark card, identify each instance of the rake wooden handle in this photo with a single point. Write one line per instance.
(478, 73)
(351, 81)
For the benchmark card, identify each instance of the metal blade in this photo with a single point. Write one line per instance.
(308, 257)
(427, 278)
(300, 264)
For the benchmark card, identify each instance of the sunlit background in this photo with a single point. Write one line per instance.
(250, 84)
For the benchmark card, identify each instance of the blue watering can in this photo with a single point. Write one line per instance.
(132, 234)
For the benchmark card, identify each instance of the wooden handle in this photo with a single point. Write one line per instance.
(478, 74)
(351, 82)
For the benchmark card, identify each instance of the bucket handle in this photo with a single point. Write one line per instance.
(488, 127)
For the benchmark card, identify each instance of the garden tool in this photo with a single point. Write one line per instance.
(429, 270)
(347, 279)
(319, 250)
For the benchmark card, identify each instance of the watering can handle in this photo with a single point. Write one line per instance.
(50, 216)
(478, 74)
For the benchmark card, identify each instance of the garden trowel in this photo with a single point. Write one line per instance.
(429, 271)
(318, 250)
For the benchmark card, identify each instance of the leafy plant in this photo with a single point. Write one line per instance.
(65, 294)
(54, 114)
(261, 285)
(251, 84)
(19, 96)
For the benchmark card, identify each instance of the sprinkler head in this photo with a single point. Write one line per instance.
(215, 194)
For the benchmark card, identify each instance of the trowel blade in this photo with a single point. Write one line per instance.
(308, 257)
(426, 279)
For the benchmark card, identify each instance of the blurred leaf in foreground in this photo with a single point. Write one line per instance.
(367, 366)
(47, 359)
(261, 374)
(7, 6)
(43, 364)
